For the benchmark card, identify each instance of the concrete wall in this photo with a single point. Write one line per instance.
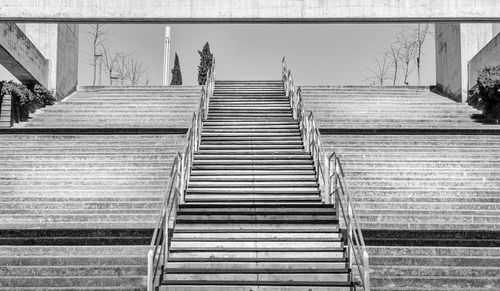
(456, 44)
(67, 59)
(249, 10)
(487, 56)
(21, 57)
(59, 44)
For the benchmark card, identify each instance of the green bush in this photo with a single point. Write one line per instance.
(25, 100)
(486, 94)
(43, 96)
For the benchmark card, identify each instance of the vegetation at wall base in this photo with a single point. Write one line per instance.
(206, 58)
(486, 94)
(176, 72)
(25, 100)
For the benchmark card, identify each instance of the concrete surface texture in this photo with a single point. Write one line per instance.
(456, 44)
(249, 11)
(21, 57)
(488, 56)
(115, 107)
(59, 44)
(387, 108)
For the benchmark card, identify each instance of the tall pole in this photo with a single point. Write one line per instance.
(166, 55)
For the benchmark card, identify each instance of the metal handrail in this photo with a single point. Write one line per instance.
(176, 191)
(331, 179)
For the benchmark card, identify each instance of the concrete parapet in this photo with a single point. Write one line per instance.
(488, 56)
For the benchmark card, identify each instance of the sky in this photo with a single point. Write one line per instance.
(334, 54)
(325, 54)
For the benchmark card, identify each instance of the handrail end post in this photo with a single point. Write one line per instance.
(150, 279)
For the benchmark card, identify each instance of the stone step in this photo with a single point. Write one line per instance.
(251, 178)
(257, 286)
(229, 172)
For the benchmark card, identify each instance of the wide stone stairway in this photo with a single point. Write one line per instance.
(253, 217)
(81, 184)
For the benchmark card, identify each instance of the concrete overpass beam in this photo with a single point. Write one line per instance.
(456, 45)
(21, 57)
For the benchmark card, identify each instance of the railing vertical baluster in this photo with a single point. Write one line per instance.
(366, 270)
(150, 280)
(165, 238)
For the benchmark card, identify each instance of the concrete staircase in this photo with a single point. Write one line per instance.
(253, 217)
(78, 201)
(83, 182)
(425, 179)
(359, 108)
(73, 267)
(434, 268)
(121, 107)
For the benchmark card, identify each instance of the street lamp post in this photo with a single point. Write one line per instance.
(166, 51)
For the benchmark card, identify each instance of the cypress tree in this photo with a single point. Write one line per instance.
(176, 72)
(205, 64)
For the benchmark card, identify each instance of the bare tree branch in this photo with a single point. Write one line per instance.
(408, 52)
(421, 33)
(382, 69)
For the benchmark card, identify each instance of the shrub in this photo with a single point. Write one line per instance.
(43, 96)
(19, 92)
(486, 95)
(25, 100)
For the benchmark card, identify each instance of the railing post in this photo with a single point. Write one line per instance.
(150, 279)
(349, 234)
(326, 179)
(366, 271)
(165, 238)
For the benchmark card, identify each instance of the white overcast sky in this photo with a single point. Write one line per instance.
(317, 53)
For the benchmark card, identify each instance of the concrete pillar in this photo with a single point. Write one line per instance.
(59, 44)
(456, 44)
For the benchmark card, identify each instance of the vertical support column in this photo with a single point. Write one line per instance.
(456, 44)
(59, 44)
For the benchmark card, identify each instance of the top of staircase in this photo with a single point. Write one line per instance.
(122, 107)
(363, 108)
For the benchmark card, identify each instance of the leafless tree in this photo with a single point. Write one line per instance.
(122, 68)
(421, 33)
(394, 51)
(134, 70)
(98, 40)
(111, 64)
(408, 51)
(381, 72)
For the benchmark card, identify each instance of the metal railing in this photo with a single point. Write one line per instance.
(175, 195)
(331, 180)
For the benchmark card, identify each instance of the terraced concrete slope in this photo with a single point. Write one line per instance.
(122, 107)
(423, 182)
(434, 268)
(427, 198)
(73, 267)
(78, 202)
(353, 107)
(83, 181)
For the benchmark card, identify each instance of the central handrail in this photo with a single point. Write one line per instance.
(331, 178)
(176, 190)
